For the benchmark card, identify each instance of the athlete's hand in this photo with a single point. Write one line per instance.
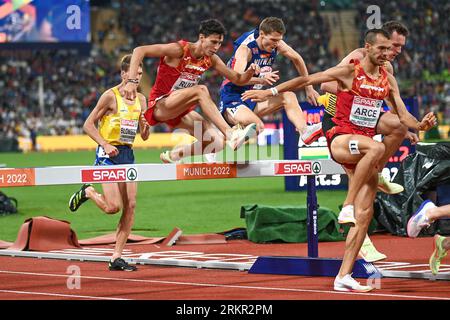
(428, 122)
(412, 137)
(312, 95)
(129, 91)
(256, 95)
(145, 127)
(255, 68)
(270, 78)
(110, 150)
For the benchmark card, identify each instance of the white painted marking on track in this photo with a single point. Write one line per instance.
(60, 295)
(193, 284)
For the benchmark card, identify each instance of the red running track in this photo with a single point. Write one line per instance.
(33, 279)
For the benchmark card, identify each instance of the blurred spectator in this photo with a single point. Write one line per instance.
(72, 83)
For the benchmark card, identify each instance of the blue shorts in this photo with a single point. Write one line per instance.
(125, 156)
(232, 105)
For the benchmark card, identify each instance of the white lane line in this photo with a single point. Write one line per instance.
(230, 286)
(59, 295)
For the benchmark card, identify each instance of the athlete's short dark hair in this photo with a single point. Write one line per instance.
(125, 63)
(392, 26)
(211, 26)
(272, 24)
(371, 35)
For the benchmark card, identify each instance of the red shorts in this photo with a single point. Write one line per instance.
(337, 131)
(170, 122)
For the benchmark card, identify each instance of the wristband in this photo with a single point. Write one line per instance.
(135, 81)
(274, 91)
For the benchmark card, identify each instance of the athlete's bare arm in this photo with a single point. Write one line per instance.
(173, 52)
(237, 78)
(242, 57)
(105, 105)
(144, 127)
(342, 74)
(332, 86)
(287, 51)
(407, 118)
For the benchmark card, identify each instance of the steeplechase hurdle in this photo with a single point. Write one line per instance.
(312, 265)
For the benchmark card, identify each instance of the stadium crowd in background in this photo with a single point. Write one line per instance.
(71, 82)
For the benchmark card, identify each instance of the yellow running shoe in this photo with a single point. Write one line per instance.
(369, 253)
(438, 254)
(388, 187)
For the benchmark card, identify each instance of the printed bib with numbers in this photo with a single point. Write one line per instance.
(128, 130)
(365, 111)
(264, 70)
(186, 80)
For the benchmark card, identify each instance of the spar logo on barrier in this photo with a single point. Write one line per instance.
(109, 175)
(293, 168)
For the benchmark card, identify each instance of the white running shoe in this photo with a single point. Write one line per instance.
(388, 187)
(210, 157)
(347, 215)
(419, 220)
(348, 284)
(312, 133)
(239, 136)
(165, 157)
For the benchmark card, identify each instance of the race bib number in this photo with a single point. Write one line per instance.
(128, 130)
(365, 111)
(264, 70)
(186, 80)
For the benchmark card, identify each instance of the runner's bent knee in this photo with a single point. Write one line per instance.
(289, 97)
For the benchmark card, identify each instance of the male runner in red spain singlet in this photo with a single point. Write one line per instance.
(361, 86)
(177, 91)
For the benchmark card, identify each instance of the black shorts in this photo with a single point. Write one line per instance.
(327, 122)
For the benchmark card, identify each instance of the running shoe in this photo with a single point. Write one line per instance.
(312, 133)
(347, 215)
(239, 136)
(438, 254)
(369, 253)
(78, 198)
(348, 284)
(419, 220)
(120, 265)
(165, 157)
(388, 187)
(210, 157)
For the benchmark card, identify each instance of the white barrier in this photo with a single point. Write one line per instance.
(16, 177)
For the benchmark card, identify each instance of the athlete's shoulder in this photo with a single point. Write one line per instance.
(107, 99)
(247, 37)
(357, 54)
(108, 94)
